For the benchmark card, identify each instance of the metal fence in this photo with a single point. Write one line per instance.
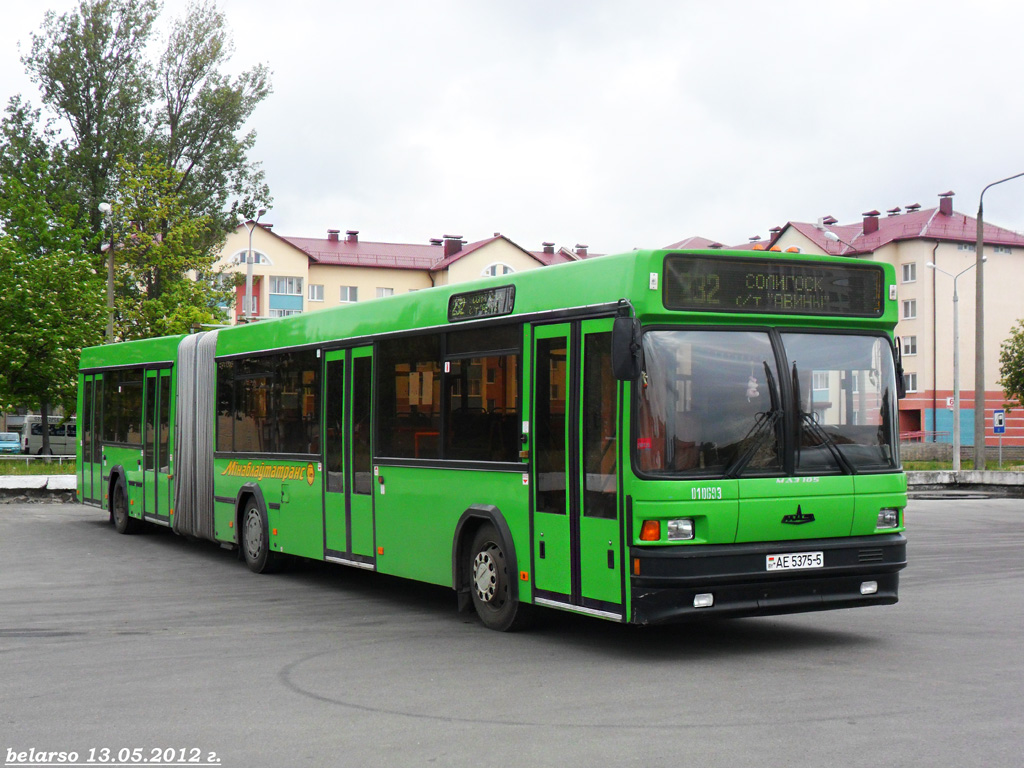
(29, 458)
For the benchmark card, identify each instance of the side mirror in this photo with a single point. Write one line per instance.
(901, 383)
(626, 349)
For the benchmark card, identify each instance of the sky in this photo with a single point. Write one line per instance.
(616, 124)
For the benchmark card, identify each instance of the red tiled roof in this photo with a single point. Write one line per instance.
(361, 253)
(928, 224)
(695, 243)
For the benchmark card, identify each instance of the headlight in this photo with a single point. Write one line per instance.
(680, 530)
(889, 518)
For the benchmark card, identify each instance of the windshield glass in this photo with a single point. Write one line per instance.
(8, 437)
(710, 405)
(845, 388)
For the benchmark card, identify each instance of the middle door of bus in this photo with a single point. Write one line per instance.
(577, 540)
(348, 499)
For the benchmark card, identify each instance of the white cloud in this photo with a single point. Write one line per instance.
(617, 124)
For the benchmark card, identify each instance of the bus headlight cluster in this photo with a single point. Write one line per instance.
(889, 518)
(680, 530)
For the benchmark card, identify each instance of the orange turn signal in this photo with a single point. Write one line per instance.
(650, 530)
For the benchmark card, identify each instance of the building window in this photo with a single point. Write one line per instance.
(909, 345)
(966, 247)
(498, 268)
(288, 286)
(257, 258)
(819, 380)
(316, 292)
(910, 309)
(1002, 249)
(910, 381)
(910, 272)
(349, 294)
(382, 292)
(285, 312)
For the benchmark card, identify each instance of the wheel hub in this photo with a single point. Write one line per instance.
(485, 576)
(253, 534)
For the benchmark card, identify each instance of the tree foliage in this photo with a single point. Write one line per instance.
(92, 72)
(1011, 366)
(51, 301)
(51, 310)
(148, 123)
(164, 269)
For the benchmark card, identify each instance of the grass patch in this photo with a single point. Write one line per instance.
(932, 466)
(36, 467)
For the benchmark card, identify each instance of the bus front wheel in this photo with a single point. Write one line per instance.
(490, 583)
(256, 540)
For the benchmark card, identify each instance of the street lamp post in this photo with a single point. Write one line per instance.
(979, 331)
(249, 261)
(107, 210)
(956, 361)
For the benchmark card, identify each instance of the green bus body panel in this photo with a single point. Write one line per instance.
(417, 510)
(292, 491)
(766, 502)
(752, 509)
(129, 353)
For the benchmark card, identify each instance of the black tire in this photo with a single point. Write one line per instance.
(123, 522)
(254, 540)
(490, 583)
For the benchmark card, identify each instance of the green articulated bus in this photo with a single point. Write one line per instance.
(648, 437)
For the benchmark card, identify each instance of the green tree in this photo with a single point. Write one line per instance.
(1011, 366)
(201, 115)
(163, 261)
(51, 309)
(91, 69)
(47, 269)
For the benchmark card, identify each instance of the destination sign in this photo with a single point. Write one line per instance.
(773, 286)
(490, 302)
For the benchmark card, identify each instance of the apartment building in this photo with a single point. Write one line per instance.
(910, 238)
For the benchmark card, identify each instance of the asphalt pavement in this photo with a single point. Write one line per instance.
(155, 643)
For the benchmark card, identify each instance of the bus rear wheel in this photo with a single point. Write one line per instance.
(123, 522)
(255, 535)
(490, 583)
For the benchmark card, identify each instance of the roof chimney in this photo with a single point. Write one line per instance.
(352, 235)
(893, 211)
(581, 250)
(828, 221)
(452, 245)
(870, 221)
(914, 207)
(332, 235)
(946, 203)
(548, 247)
(436, 241)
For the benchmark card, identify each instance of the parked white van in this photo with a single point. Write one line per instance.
(62, 436)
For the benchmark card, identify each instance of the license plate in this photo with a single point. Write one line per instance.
(795, 561)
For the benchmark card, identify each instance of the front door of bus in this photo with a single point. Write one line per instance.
(348, 502)
(577, 540)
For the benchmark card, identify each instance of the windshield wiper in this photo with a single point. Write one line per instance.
(808, 421)
(764, 425)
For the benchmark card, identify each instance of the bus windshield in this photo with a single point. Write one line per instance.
(844, 386)
(714, 403)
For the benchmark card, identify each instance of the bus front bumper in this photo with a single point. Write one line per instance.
(668, 583)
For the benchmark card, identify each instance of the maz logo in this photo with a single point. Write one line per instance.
(798, 519)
